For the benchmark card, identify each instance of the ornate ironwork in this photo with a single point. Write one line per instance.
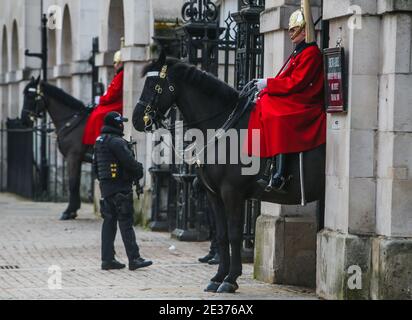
(250, 42)
(199, 11)
(251, 3)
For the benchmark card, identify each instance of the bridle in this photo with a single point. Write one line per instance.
(152, 115)
(39, 99)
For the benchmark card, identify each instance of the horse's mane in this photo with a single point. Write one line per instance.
(62, 96)
(206, 82)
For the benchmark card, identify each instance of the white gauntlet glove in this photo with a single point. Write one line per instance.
(261, 84)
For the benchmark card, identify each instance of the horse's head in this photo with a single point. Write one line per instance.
(33, 103)
(157, 97)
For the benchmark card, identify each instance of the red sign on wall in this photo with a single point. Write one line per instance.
(335, 85)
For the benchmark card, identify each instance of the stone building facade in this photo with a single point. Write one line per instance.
(365, 249)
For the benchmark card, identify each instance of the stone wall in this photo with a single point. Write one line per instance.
(365, 250)
(368, 185)
(285, 247)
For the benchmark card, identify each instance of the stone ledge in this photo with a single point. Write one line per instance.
(385, 264)
(336, 253)
(81, 67)
(104, 59)
(136, 53)
(285, 250)
(278, 3)
(16, 76)
(392, 268)
(394, 5)
(340, 8)
(62, 71)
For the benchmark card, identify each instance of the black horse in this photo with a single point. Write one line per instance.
(69, 117)
(205, 102)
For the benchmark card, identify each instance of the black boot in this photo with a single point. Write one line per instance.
(278, 180)
(139, 263)
(114, 264)
(215, 259)
(88, 156)
(264, 181)
(207, 257)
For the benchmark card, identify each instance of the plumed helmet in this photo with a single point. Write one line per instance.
(301, 19)
(118, 55)
(297, 20)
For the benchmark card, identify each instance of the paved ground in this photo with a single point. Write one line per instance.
(33, 243)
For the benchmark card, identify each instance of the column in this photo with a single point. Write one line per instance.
(136, 54)
(285, 247)
(365, 250)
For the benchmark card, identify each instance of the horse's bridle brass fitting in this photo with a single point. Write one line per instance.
(147, 118)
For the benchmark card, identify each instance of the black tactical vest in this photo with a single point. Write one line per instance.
(108, 167)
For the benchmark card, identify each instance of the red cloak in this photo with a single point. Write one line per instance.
(112, 100)
(290, 112)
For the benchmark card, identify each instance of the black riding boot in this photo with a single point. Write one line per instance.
(277, 180)
(264, 181)
(88, 156)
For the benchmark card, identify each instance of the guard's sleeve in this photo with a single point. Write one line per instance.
(125, 156)
(114, 92)
(94, 164)
(307, 69)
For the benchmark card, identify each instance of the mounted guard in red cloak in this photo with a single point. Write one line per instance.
(289, 111)
(112, 100)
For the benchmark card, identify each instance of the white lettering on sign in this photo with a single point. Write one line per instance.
(334, 76)
(334, 62)
(335, 86)
(335, 97)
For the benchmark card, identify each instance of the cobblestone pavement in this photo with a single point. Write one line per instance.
(32, 240)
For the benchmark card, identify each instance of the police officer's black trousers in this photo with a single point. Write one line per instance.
(214, 247)
(118, 208)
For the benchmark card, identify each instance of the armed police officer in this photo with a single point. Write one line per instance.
(116, 170)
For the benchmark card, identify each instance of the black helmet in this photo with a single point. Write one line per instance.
(115, 119)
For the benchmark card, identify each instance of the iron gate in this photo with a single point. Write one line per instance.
(205, 43)
(20, 163)
(20, 177)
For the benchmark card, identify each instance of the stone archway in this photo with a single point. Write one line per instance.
(4, 68)
(4, 53)
(14, 59)
(66, 49)
(116, 25)
(13, 103)
(51, 48)
(52, 55)
(66, 53)
(116, 29)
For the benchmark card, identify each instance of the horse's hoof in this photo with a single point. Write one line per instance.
(212, 286)
(68, 216)
(227, 287)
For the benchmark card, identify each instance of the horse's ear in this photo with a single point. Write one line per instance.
(162, 58)
(38, 79)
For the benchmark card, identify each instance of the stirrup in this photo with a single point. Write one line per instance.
(270, 187)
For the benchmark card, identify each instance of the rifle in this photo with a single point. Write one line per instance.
(133, 148)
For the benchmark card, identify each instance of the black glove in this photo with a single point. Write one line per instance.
(139, 172)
